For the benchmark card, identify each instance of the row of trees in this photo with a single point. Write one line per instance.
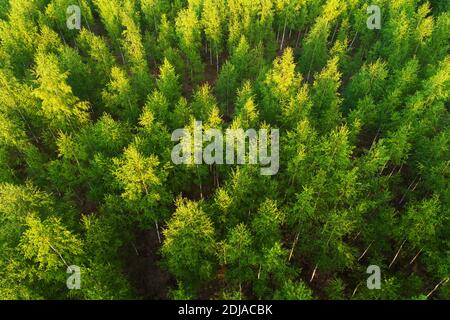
(86, 176)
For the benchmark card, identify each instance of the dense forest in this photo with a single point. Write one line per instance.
(87, 180)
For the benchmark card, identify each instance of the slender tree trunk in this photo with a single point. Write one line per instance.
(210, 55)
(59, 254)
(311, 63)
(356, 289)
(135, 249)
(392, 171)
(409, 187)
(334, 32)
(200, 183)
(284, 31)
(157, 230)
(382, 169)
(354, 38)
(216, 177)
(412, 190)
(293, 246)
(27, 124)
(415, 257)
(376, 136)
(298, 38)
(437, 286)
(156, 221)
(396, 255)
(240, 289)
(218, 181)
(79, 170)
(400, 169)
(62, 36)
(217, 60)
(122, 56)
(314, 273)
(365, 251)
(85, 19)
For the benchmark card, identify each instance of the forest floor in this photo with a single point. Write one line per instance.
(147, 277)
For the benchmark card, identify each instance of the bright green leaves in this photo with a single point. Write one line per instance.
(203, 102)
(326, 98)
(60, 107)
(119, 97)
(109, 12)
(293, 291)
(142, 181)
(56, 16)
(238, 256)
(189, 244)
(100, 61)
(273, 268)
(49, 244)
(267, 223)
(168, 82)
(212, 20)
(226, 85)
(16, 204)
(18, 35)
(281, 83)
(189, 35)
(135, 56)
(421, 222)
(138, 176)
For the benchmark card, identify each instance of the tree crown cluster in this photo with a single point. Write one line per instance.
(86, 176)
